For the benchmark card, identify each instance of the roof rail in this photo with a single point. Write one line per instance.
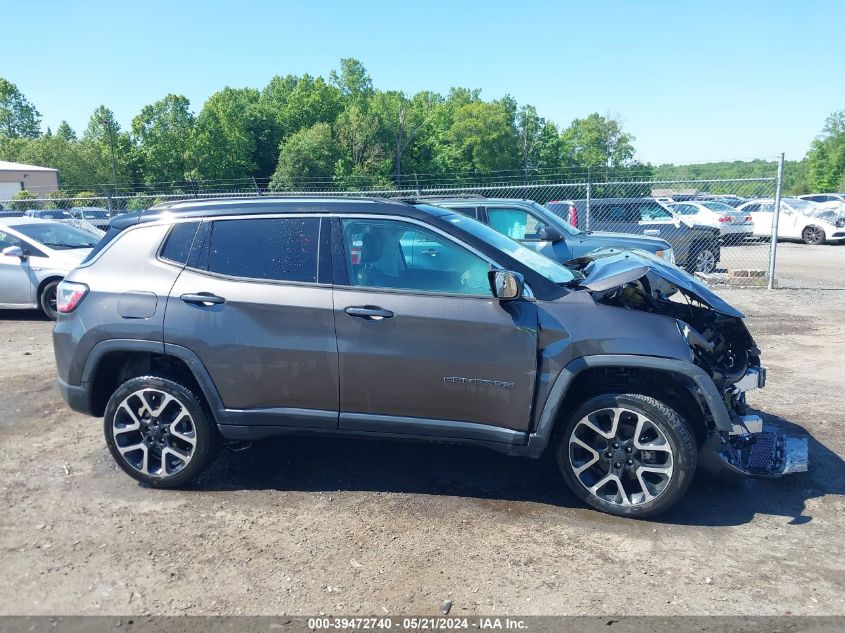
(471, 196)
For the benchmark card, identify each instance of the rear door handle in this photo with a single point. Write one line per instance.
(651, 232)
(202, 298)
(373, 313)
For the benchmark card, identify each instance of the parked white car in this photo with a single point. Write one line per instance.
(824, 197)
(733, 225)
(799, 219)
(36, 255)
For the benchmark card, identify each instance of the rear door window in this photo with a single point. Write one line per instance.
(279, 249)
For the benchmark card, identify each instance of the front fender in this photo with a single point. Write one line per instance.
(539, 439)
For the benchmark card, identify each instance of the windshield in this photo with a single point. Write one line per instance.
(805, 207)
(555, 220)
(551, 270)
(719, 207)
(57, 236)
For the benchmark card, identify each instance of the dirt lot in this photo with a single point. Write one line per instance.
(307, 526)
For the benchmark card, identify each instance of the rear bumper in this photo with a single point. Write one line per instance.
(78, 397)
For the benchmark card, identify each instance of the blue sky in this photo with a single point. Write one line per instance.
(692, 81)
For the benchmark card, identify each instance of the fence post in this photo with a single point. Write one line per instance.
(773, 247)
(257, 188)
(589, 195)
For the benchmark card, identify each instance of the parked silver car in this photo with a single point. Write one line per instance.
(36, 255)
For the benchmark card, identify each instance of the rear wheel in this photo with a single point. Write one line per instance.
(813, 235)
(627, 454)
(158, 432)
(702, 259)
(47, 300)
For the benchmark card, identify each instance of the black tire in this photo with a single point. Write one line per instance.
(47, 300)
(701, 259)
(675, 431)
(205, 434)
(813, 235)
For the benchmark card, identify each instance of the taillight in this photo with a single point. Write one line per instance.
(725, 218)
(573, 216)
(748, 218)
(69, 294)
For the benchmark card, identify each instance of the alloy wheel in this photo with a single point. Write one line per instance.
(154, 433)
(621, 457)
(705, 261)
(813, 235)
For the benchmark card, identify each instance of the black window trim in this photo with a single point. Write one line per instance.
(199, 249)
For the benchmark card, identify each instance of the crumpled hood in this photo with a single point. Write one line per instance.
(608, 268)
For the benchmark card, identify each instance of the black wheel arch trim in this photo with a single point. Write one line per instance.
(539, 439)
(195, 365)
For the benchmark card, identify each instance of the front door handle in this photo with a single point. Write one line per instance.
(651, 232)
(373, 313)
(202, 298)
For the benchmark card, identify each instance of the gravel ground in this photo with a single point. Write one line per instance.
(303, 526)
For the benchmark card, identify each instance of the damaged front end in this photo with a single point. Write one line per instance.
(719, 343)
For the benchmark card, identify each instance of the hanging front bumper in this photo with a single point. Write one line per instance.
(766, 453)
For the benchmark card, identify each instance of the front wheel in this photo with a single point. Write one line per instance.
(627, 454)
(813, 235)
(158, 432)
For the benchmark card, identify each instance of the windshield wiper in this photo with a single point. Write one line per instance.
(70, 246)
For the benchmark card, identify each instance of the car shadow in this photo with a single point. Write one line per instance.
(22, 315)
(314, 464)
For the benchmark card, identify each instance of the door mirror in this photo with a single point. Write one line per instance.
(551, 234)
(14, 251)
(506, 285)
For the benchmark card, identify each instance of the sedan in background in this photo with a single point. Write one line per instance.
(733, 226)
(799, 219)
(35, 255)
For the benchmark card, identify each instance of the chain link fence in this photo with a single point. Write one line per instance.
(719, 229)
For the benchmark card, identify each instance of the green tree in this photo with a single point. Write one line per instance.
(481, 139)
(65, 131)
(95, 151)
(24, 201)
(598, 141)
(826, 158)
(306, 155)
(300, 102)
(235, 137)
(353, 80)
(362, 163)
(18, 117)
(163, 131)
(402, 120)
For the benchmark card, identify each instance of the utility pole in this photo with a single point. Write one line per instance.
(107, 122)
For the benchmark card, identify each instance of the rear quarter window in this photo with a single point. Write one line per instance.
(177, 244)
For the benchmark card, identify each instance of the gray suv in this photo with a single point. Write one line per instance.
(196, 324)
(541, 230)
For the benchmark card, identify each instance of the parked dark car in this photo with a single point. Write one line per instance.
(697, 248)
(97, 216)
(194, 324)
(541, 230)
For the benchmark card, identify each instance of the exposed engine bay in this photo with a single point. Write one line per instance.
(719, 343)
